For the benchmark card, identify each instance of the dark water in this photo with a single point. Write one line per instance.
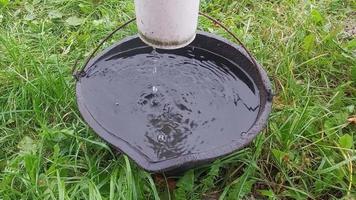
(167, 105)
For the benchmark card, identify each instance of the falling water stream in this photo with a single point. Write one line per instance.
(155, 57)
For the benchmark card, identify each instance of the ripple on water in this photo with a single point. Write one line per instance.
(196, 102)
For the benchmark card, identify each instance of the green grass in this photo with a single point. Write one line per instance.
(307, 152)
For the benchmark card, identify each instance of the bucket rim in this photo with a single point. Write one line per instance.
(189, 159)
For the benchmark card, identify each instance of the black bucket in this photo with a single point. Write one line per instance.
(195, 119)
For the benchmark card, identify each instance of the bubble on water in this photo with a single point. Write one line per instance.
(161, 138)
(154, 103)
(243, 134)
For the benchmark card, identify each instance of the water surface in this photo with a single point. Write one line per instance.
(167, 105)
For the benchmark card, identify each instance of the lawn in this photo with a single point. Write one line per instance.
(307, 152)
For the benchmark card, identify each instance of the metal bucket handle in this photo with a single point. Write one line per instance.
(77, 74)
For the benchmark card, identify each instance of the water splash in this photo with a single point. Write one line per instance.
(154, 89)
